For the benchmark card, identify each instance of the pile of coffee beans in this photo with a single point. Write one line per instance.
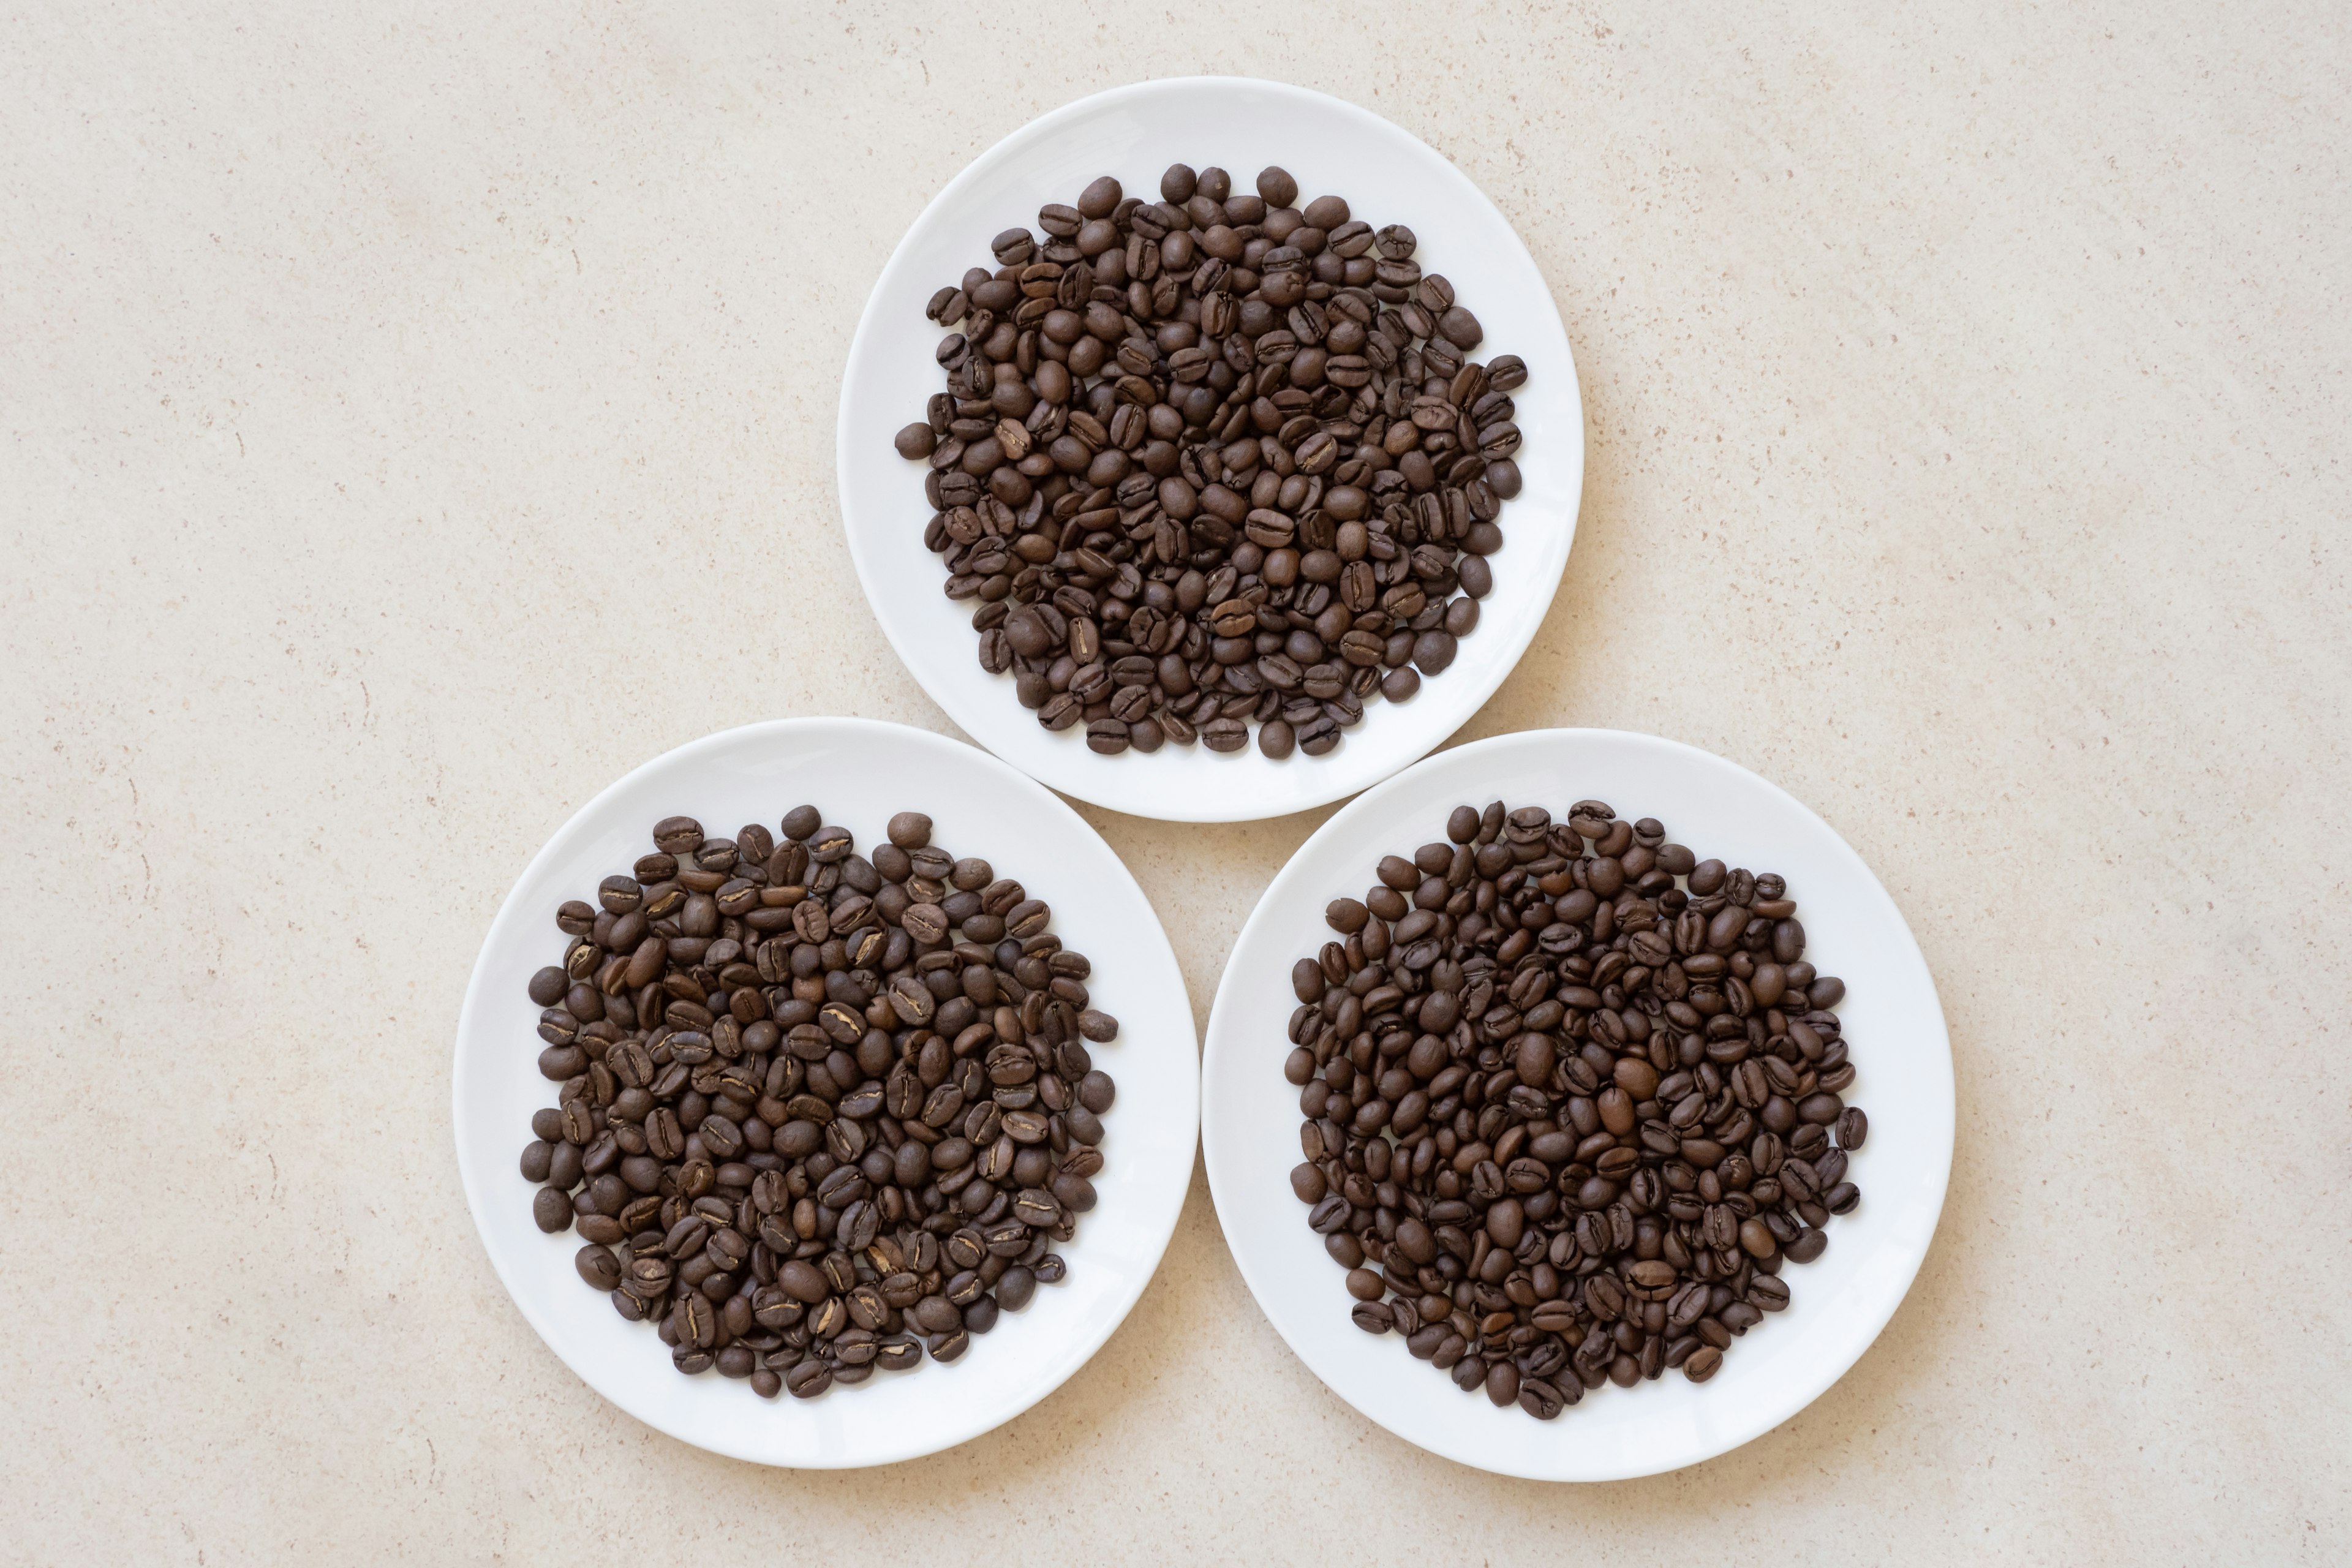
(820, 1113)
(1212, 460)
(1572, 1098)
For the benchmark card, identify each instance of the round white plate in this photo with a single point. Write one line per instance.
(858, 773)
(1135, 132)
(1250, 1115)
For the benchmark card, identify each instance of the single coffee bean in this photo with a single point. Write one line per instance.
(1307, 1183)
(1541, 1399)
(1014, 1287)
(599, 1268)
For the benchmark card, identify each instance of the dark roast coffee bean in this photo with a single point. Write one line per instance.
(735, 1098)
(1566, 1120)
(1541, 1400)
(1014, 1289)
(551, 1210)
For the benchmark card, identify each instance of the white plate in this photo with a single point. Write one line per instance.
(858, 773)
(1135, 132)
(1250, 1115)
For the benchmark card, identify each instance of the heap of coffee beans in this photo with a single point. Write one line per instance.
(1214, 459)
(820, 1113)
(1572, 1098)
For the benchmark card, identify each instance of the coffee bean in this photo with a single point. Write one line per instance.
(1307, 1183)
(551, 1210)
(1542, 1400)
(1819, 1108)
(1561, 1129)
(738, 1097)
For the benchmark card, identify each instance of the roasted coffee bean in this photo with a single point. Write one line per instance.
(1213, 462)
(775, 1111)
(549, 985)
(1569, 1107)
(552, 1210)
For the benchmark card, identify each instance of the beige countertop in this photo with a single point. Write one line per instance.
(410, 421)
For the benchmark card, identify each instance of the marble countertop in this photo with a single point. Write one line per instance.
(412, 419)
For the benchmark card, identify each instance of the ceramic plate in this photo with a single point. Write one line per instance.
(1250, 1115)
(858, 773)
(1135, 132)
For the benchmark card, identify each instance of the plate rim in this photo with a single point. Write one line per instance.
(473, 1180)
(1214, 1050)
(1071, 773)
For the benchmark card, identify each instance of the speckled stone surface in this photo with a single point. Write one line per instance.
(410, 420)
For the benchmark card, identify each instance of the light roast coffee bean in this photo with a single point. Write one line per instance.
(1570, 1097)
(819, 1113)
(1214, 460)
